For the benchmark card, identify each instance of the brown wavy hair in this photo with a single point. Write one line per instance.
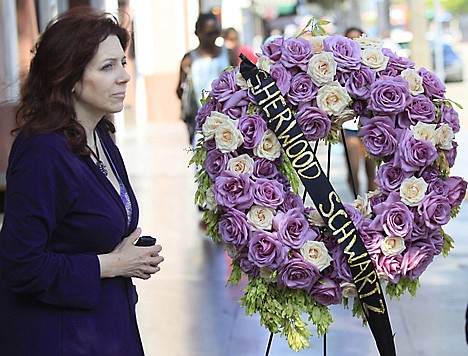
(60, 56)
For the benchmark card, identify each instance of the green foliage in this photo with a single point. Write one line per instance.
(448, 243)
(236, 275)
(280, 311)
(288, 170)
(212, 219)
(456, 7)
(396, 290)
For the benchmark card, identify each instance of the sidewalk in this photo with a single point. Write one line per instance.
(186, 309)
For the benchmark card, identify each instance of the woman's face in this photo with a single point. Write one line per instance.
(102, 88)
(208, 33)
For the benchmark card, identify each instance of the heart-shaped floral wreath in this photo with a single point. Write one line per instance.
(250, 190)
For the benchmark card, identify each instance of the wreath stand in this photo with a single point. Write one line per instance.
(343, 139)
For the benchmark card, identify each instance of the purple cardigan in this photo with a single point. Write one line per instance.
(61, 212)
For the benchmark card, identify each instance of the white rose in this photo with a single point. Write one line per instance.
(413, 190)
(228, 138)
(322, 68)
(348, 290)
(317, 43)
(264, 63)
(317, 253)
(423, 131)
(241, 82)
(211, 124)
(210, 201)
(242, 164)
(415, 81)
(267, 274)
(392, 245)
(315, 218)
(362, 203)
(269, 147)
(444, 136)
(333, 98)
(347, 114)
(368, 42)
(261, 218)
(374, 58)
(232, 251)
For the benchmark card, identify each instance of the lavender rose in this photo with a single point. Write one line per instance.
(302, 89)
(449, 116)
(297, 273)
(372, 238)
(234, 228)
(396, 64)
(389, 266)
(433, 86)
(389, 95)
(205, 111)
(394, 217)
(265, 250)
(456, 187)
(314, 122)
(291, 201)
(416, 260)
(389, 177)
(264, 168)
(411, 154)
(326, 291)
(282, 77)
(379, 136)
(346, 52)
(292, 227)
(420, 108)
(296, 53)
(246, 265)
(435, 210)
(268, 193)
(233, 191)
(216, 162)
(252, 128)
(359, 82)
(273, 49)
(223, 87)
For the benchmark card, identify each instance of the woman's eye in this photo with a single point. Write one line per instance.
(124, 63)
(107, 66)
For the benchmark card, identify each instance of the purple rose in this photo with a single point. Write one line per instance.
(435, 210)
(223, 87)
(236, 106)
(389, 177)
(233, 191)
(252, 128)
(354, 214)
(379, 136)
(265, 250)
(346, 52)
(396, 64)
(394, 217)
(449, 116)
(297, 273)
(296, 53)
(438, 186)
(341, 268)
(359, 82)
(360, 107)
(456, 187)
(264, 168)
(268, 193)
(314, 122)
(302, 89)
(326, 291)
(411, 154)
(416, 260)
(389, 266)
(430, 174)
(451, 154)
(273, 49)
(433, 86)
(292, 201)
(282, 77)
(216, 162)
(389, 95)
(205, 111)
(234, 228)
(420, 230)
(292, 227)
(246, 265)
(420, 108)
(372, 238)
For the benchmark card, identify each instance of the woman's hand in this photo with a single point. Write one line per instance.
(128, 260)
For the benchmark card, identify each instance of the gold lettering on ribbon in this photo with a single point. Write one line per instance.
(380, 309)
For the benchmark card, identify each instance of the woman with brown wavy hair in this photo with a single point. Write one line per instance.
(68, 248)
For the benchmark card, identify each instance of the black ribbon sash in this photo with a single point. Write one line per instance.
(296, 147)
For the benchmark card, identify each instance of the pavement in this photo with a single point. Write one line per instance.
(187, 310)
